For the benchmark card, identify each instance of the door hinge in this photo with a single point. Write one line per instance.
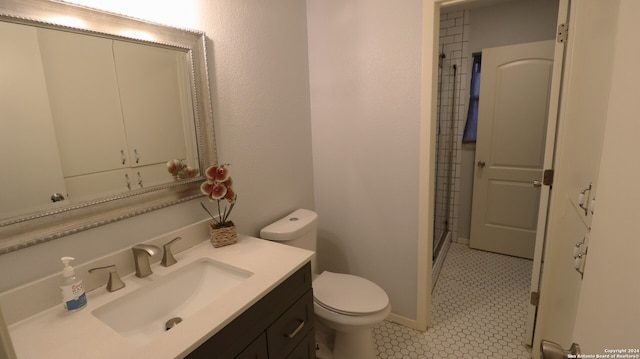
(547, 177)
(535, 298)
(563, 33)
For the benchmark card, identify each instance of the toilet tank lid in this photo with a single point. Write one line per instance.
(293, 226)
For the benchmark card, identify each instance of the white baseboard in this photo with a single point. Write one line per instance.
(404, 321)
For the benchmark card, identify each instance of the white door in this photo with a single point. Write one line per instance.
(512, 117)
(608, 310)
(585, 103)
(607, 315)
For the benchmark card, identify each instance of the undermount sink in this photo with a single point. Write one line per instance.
(142, 314)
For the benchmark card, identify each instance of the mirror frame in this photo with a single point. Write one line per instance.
(38, 227)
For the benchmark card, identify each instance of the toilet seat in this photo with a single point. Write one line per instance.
(348, 294)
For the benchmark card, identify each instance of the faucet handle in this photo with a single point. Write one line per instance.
(114, 283)
(167, 258)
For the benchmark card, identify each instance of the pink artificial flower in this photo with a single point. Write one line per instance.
(218, 191)
(213, 190)
(205, 188)
(217, 173)
(217, 187)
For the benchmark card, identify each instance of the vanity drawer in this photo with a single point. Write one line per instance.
(292, 326)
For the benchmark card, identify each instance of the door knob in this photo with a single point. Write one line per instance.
(481, 164)
(551, 350)
(537, 183)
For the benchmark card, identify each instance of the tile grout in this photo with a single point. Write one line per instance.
(479, 309)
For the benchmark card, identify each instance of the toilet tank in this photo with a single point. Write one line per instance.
(298, 229)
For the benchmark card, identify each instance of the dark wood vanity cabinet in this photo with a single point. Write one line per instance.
(278, 326)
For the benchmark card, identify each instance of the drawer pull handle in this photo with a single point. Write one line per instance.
(296, 331)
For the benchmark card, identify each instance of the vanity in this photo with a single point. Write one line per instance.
(264, 309)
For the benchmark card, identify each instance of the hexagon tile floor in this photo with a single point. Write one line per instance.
(479, 310)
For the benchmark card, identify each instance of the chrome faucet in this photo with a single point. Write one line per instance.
(141, 255)
(114, 283)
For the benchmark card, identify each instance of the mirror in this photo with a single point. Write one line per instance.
(94, 105)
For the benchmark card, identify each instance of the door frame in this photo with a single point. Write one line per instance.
(549, 163)
(428, 118)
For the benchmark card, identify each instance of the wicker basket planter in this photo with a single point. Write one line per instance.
(223, 236)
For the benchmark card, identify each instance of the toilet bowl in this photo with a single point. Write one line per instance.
(351, 306)
(347, 304)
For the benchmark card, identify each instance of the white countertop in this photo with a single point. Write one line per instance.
(55, 333)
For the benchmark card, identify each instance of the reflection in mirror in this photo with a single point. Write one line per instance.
(110, 113)
(90, 119)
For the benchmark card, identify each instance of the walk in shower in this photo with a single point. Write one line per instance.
(451, 115)
(445, 141)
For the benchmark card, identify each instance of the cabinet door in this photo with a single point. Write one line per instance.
(83, 92)
(306, 349)
(32, 170)
(114, 182)
(256, 350)
(150, 83)
(100, 184)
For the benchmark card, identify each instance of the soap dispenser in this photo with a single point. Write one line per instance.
(73, 295)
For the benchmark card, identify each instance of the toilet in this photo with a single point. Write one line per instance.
(347, 304)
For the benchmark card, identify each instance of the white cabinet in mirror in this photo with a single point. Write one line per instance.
(117, 111)
(90, 118)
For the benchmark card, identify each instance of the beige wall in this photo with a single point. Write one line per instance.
(257, 56)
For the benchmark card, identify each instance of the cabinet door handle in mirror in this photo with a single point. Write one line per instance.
(57, 197)
(296, 331)
(124, 158)
(135, 152)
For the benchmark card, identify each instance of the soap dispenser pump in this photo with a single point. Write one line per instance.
(73, 295)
